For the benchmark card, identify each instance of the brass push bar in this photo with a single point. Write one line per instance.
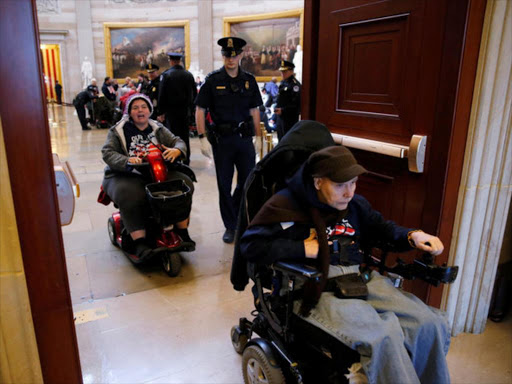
(415, 152)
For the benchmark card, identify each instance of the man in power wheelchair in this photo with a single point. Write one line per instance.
(317, 310)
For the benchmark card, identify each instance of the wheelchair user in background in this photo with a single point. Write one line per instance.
(127, 143)
(398, 337)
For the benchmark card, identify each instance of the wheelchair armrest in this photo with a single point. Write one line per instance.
(299, 270)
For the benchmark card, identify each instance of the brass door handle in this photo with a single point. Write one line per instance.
(415, 152)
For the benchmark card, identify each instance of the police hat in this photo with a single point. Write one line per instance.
(152, 68)
(174, 55)
(231, 46)
(286, 65)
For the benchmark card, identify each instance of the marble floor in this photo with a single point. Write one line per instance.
(137, 325)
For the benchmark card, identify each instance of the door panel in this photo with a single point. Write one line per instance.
(388, 70)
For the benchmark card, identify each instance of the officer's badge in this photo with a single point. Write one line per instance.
(161, 77)
(296, 88)
(233, 53)
(246, 85)
(150, 66)
(154, 89)
(230, 43)
(282, 63)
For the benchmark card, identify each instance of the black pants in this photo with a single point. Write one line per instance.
(230, 152)
(285, 123)
(178, 125)
(80, 111)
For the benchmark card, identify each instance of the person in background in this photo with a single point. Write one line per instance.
(80, 101)
(288, 99)
(232, 98)
(176, 99)
(58, 92)
(272, 90)
(153, 88)
(108, 89)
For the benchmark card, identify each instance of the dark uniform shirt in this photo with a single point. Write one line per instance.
(152, 92)
(83, 98)
(229, 100)
(177, 91)
(288, 98)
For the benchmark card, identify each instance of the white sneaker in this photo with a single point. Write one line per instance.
(356, 374)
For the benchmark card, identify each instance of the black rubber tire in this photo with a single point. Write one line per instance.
(243, 339)
(171, 263)
(112, 231)
(257, 369)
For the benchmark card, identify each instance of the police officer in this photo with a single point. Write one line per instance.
(176, 99)
(232, 97)
(153, 88)
(288, 99)
(80, 101)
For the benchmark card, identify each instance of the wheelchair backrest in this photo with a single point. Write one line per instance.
(270, 175)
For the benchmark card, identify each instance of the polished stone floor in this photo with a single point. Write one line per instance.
(144, 327)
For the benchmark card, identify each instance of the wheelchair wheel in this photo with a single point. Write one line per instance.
(238, 339)
(257, 369)
(171, 263)
(112, 231)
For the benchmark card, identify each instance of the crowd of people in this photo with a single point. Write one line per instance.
(228, 108)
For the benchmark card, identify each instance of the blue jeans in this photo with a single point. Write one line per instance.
(399, 338)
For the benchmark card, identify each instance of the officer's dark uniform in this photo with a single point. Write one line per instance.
(176, 99)
(79, 102)
(288, 99)
(229, 101)
(152, 90)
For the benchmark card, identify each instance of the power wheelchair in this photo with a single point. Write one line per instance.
(288, 349)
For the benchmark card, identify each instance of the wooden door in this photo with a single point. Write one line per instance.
(385, 71)
(29, 159)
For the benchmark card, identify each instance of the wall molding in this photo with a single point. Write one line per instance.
(485, 189)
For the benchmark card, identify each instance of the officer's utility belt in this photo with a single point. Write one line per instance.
(244, 129)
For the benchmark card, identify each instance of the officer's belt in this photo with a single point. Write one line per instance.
(243, 128)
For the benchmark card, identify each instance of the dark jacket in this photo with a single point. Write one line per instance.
(106, 92)
(281, 235)
(115, 152)
(177, 91)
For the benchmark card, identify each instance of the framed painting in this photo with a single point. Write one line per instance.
(270, 38)
(129, 47)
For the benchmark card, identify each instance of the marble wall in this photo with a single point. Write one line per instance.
(63, 22)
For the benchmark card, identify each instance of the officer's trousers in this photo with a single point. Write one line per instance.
(178, 124)
(230, 152)
(285, 123)
(80, 111)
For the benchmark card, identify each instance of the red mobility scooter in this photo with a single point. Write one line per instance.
(170, 202)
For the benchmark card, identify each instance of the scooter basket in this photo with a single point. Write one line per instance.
(171, 201)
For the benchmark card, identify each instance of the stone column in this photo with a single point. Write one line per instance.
(205, 17)
(84, 33)
(485, 190)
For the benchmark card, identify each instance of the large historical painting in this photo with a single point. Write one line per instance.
(270, 39)
(130, 47)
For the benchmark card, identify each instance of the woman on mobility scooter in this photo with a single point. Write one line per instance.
(127, 143)
(398, 337)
